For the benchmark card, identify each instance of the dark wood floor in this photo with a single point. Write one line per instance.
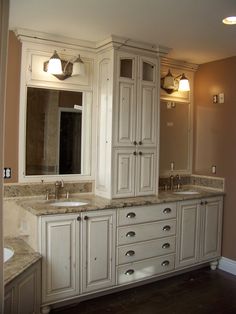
(198, 292)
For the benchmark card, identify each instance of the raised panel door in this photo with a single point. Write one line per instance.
(124, 172)
(9, 306)
(188, 233)
(146, 171)
(211, 228)
(125, 115)
(147, 108)
(60, 263)
(98, 250)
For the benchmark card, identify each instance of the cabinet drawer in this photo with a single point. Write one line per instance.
(144, 269)
(140, 214)
(135, 252)
(144, 232)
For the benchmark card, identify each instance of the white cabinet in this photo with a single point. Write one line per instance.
(145, 242)
(60, 249)
(69, 239)
(127, 123)
(199, 231)
(23, 295)
(98, 240)
(135, 108)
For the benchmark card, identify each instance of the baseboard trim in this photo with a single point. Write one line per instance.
(227, 265)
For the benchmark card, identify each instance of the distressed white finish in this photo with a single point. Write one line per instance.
(61, 257)
(23, 294)
(98, 245)
(127, 121)
(199, 231)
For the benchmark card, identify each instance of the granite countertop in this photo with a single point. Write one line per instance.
(24, 256)
(41, 207)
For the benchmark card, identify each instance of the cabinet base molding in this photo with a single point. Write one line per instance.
(227, 265)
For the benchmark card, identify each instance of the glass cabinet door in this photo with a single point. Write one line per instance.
(127, 68)
(148, 72)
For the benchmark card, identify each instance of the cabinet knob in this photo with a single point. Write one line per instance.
(166, 228)
(166, 245)
(140, 153)
(165, 263)
(131, 215)
(140, 143)
(129, 272)
(86, 218)
(135, 143)
(167, 210)
(206, 202)
(130, 234)
(202, 203)
(130, 253)
(78, 218)
(134, 153)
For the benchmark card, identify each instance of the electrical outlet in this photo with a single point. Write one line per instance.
(7, 173)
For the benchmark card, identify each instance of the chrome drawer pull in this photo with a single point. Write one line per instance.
(166, 245)
(167, 210)
(130, 253)
(130, 234)
(129, 272)
(165, 263)
(166, 228)
(131, 215)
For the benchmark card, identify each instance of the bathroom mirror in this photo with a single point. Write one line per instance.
(175, 138)
(57, 132)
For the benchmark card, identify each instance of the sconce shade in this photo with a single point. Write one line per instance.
(63, 69)
(184, 84)
(78, 67)
(54, 64)
(169, 81)
(173, 84)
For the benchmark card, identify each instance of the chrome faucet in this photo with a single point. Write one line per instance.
(178, 184)
(171, 182)
(58, 186)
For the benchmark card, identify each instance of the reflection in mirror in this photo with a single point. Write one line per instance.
(175, 137)
(58, 132)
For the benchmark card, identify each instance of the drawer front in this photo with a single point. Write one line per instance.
(144, 232)
(134, 215)
(144, 269)
(154, 248)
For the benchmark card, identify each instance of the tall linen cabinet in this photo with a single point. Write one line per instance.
(128, 113)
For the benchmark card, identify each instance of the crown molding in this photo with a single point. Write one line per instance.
(178, 64)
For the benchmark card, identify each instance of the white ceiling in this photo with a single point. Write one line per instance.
(192, 28)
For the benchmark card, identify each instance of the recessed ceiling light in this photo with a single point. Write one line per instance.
(230, 20)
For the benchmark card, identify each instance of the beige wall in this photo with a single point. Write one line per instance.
(12, 107)
(215, 136)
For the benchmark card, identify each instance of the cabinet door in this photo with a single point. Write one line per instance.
(9, 306)
(60, 251)
(124, 112)
(124, 172)
(188, 233)
(125, 115)
(211, 228)
(98, 250)
(147, 103)
(145, 171)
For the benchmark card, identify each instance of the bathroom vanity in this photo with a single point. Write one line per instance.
(107, 245)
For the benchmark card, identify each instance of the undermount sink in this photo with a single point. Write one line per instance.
(186, 193)
(67, 204)
(7, 254)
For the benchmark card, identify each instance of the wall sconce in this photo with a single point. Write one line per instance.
(62, 69)
(173, 84)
